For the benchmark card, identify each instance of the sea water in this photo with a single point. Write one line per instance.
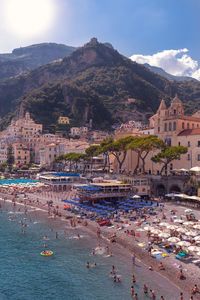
(26, 275)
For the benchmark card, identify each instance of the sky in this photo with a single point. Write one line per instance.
(143, 29)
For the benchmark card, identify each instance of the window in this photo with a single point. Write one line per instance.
(188, 125)
(171, 167)
(188, 143)
(158, 129)
(188, 157)
(179, 143)
(198, 157)
(170, 126)
(165, 126)
(174, 126)
(198, 144)
(183, 125)
(192, 125)
(174, 111)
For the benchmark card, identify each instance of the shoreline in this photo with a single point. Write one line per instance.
(125, 245)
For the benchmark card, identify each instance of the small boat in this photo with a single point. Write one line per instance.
(46, 253)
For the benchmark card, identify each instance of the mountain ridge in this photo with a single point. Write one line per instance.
(94, 71)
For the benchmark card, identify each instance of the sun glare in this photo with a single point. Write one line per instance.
(28, 18)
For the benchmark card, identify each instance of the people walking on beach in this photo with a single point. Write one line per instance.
(195, 289)
(153, 295)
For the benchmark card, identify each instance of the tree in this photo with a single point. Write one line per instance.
(10, 157)
(104, 149)
(119, 149)
(168, 154)
(143, 145)
(72, 158)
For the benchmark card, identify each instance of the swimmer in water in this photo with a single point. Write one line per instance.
(87, 265)
(133, 279)
(145, 289)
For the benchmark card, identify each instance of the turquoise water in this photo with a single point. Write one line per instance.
(17, 181)
(25, 275)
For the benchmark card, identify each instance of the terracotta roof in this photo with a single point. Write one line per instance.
(195, 131)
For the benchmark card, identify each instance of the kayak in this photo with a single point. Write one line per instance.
(46, 253)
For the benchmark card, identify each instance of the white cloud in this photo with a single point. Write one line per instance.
(176, 62)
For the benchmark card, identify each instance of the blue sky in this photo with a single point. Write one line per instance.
(132, 26)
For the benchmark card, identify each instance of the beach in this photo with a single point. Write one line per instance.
(127, 246)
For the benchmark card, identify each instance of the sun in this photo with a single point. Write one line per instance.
(28, 18)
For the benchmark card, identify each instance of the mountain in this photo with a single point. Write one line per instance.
(94, 82)
(24, 59)
(166, 75)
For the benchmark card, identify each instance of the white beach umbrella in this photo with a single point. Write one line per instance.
(155, 231)
(184, 244)
(191, 233)
(147, 228)
(188, 223)
(164, 235)
(173, 227)
(194, 248)
(178, 221)
(198, 253)
(197, 238)
(181, 230)
(173, 239)
(197, 226)
(163, 224)
(188, 210)
(195, 169)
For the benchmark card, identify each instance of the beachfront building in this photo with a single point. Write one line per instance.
(110, 190)
(174, 128)
(37, 147)
(21, 154)
(60, 182)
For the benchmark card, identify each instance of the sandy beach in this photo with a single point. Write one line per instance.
(130, 243)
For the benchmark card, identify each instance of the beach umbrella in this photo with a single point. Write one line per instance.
(173, 240)
(180, 229)
(197, 226)
(173, 227)
(198, 253)
(188, 210)
(184, 244)
(188, 223)
(136, 197)
(164, 235)
(191, 233)
(163, 224)
(194, 248)
(197, 238)
(155, 231)
(178, 221)
(195, 169)
(147, 228)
